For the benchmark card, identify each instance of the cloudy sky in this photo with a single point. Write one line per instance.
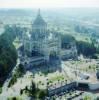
(47, 3)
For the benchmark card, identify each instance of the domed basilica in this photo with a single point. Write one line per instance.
(40, 44)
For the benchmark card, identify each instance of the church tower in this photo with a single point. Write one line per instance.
(39, 27)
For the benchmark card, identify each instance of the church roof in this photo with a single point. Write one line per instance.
(39, 20)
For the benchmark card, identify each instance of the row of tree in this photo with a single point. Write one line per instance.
(34, 92)
(19, 72)
(85, 48)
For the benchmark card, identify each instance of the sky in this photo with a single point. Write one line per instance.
(47, 3)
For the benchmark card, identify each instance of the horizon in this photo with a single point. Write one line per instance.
(48, 3)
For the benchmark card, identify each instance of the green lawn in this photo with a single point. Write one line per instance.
(56, 78)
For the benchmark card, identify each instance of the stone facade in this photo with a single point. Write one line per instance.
(41, 43)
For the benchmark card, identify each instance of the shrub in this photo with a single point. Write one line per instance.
(0, 90)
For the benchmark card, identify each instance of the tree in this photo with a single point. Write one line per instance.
(42, 94)
(21, 92)
(85, 48)
(12, 81)
(14, 98)
(21, 68)
(87, 98)
(33, 87)
(0, 90)
(26, 88)
(97, 98)
(20, 71)
(8, 53)
(66, 40)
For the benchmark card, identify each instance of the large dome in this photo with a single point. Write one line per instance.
(39, 20)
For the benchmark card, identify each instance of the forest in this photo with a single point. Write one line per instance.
(8, 53)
